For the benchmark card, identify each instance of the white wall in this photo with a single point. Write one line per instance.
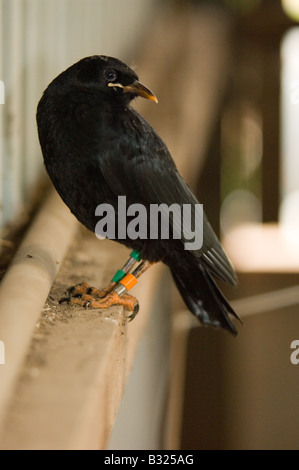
(39, 39)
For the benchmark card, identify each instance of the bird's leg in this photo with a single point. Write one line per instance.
(116, 293)
(82, 289)
(126, 284)
(134, 258)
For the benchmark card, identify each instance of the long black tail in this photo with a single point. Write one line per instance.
(203, 297)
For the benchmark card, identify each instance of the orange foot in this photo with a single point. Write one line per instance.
(84, 288)
(91, 297)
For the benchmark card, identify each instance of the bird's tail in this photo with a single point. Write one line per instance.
(203, 297)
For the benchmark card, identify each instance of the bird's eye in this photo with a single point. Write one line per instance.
(110, 75)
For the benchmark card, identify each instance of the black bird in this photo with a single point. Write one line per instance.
(96, 147)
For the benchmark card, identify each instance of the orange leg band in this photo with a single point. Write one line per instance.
(129, 281)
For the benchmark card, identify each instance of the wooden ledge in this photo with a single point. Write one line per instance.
(25, 287)
(75, 373)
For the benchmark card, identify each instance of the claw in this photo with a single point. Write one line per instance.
(83, 289)
(91, 297)
(135, 312)
(64, 299)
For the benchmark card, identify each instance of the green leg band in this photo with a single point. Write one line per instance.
(136, 255)
(119, 276)
(122, 272)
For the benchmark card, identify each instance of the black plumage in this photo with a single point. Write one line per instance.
(96, 147)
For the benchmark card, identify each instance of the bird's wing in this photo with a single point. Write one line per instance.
(141, 168)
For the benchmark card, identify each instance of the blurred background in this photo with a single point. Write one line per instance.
(226, 73)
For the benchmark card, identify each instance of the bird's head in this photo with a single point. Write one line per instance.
(106, 76)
